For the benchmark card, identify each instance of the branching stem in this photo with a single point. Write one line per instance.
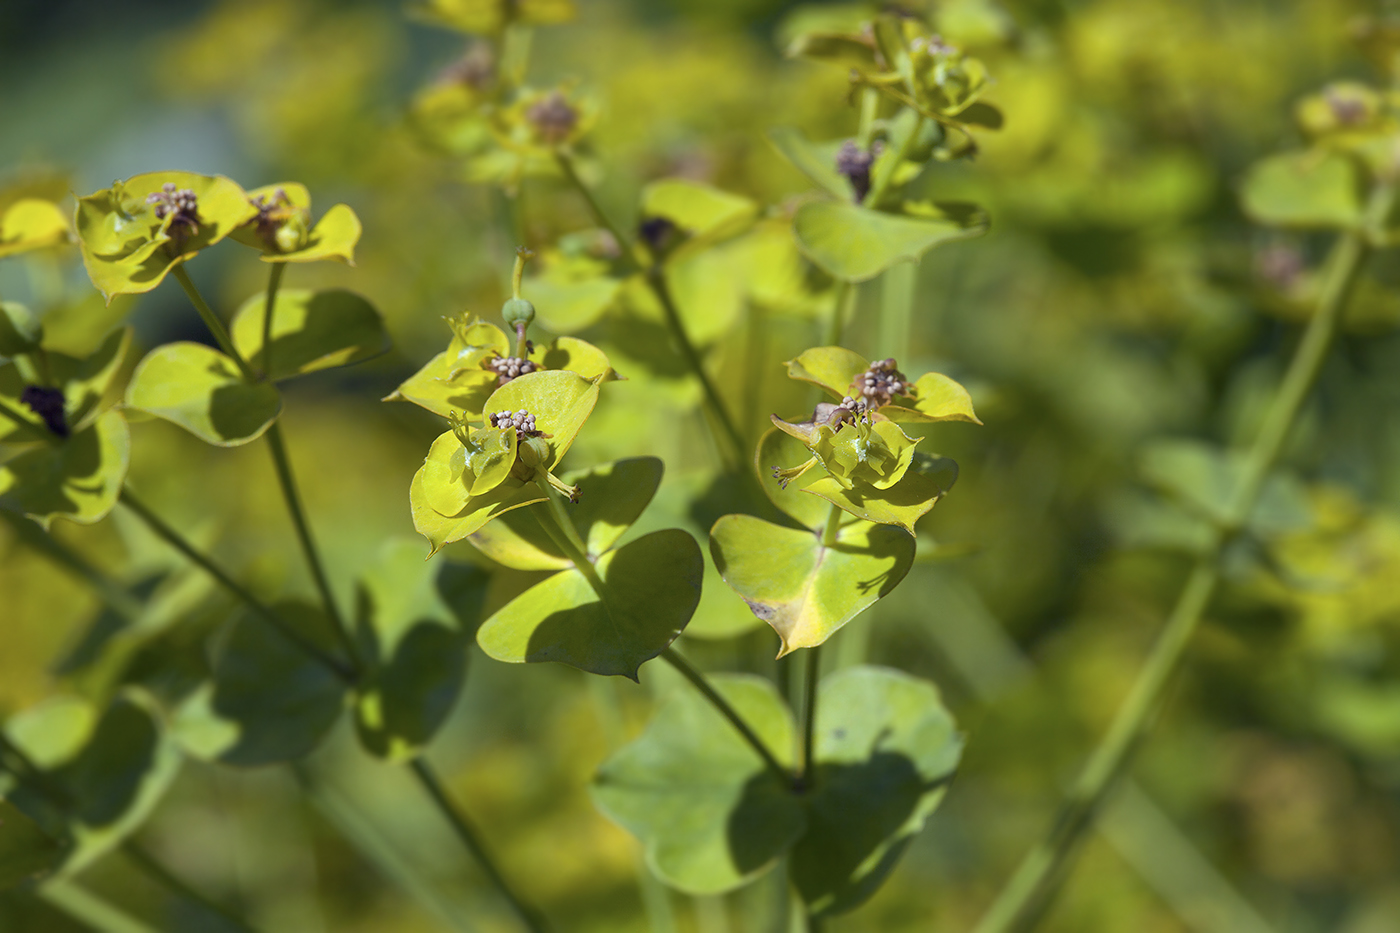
(211, 321)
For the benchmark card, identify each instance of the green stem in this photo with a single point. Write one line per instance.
(261, 609)
(656, 278)
(897, 287)
(89, 909)
(308, 545)
(840, 310)
(625, 246)
(529, 917)
(886, 178)
(1023, 901)
(562, 531)
(370, 842)
(869, 105)
(274, 282)
(17, 418)
(211, 320)
(690, 673)
(809, 717)
(168, 880)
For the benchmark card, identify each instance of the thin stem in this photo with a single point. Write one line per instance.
(625, 246)
(308, 545)
(370, 842)
(211, 320)
(656, 278)
(1022, 902)
(809, 717)
(678, 661)
(897, 288)
(89, 909)
(274, 282)
(117, 598)
(529, 917)
(886, 177)
(175, 540)
(168, 880)
(832, 527)
(562, 531)
(16, 417)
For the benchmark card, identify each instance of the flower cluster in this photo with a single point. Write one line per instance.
(181, 206)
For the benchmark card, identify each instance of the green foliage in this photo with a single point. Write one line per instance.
(1307, 190)
(311, 331)
(26, 851)
(802, 588)
(204, 392)
(711, 817)
(855, 244)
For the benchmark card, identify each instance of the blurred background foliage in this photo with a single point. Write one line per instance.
(1120, 298)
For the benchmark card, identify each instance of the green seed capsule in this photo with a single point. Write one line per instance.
(518, 311)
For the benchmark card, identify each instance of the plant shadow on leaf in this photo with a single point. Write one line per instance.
(762, 824)
(652, 585)
(106, 776)
(236, 410)
(312, 331)
(854, 811)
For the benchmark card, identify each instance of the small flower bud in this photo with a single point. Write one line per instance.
(553, 118)
(855, 162)
(533, 452)
(47, 403)
(510, 367)
(522, 421)
(517, 311)
(879, 384)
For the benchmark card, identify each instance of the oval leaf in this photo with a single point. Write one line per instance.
(78, 478)
(202, 391)
(1306, 190)
(710, 815)
(310, 331)
(652, 586)
(805, 591)
(928, 479)
(269, 701)
(412, 627)
(611, 497)
(856, 244)
(885, 749)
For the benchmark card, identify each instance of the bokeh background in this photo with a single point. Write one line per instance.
(1120, 298)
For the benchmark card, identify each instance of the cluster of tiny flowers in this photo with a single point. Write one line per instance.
(509, 367)
(934, 44)
(849, 409)
(179, 203)
(476, 69)
(553, 118)
(271, 213)
(1348, 109)
(522, 421)
(854, 162)
(880, 383)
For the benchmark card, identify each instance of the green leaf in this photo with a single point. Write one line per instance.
(434, 485)
(310, 331)
(26, 851)
(128, 250)
(936, 398)
(269, 700)
(32, 223)
(928, 479)
(202, 391)
(706, 214)
(611, 497)
(118, 777)
(78, 478)
(412, 627)
(333, 237)
(833, 369)
(20, 330)
(776, 449)
(577, 356)
(652, 586)
(1204, 477)
(487, 17)
(805, 591)
(561, 402)
(1305, 190)
(856, 244)
(886, 749)
(84, 383)
(565, 306)
(710, 815)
